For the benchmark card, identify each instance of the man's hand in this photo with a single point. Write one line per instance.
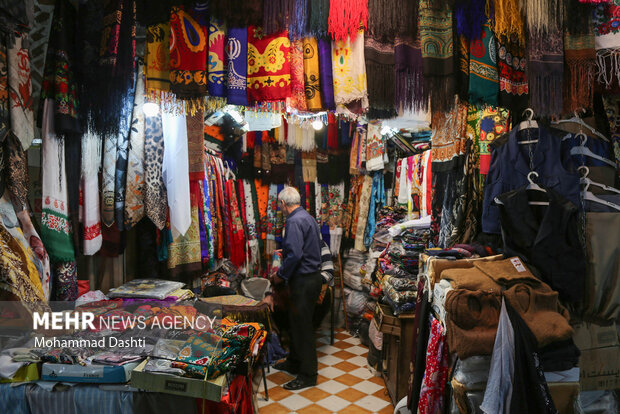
(268, 300)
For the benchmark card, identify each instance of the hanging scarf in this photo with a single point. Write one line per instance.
(274, 16)
(483, 74)
(55, 225)
(346, 18)
(5, 116)
(188, 51)
(375, 147)
(462, 75)
(513, 86)
(237, 55)
(39, 37)
(237, 256)
(508, 22)
(362, 214)
(389, 18)
(59, 78)
(543, 15)
(437, 55)
(238, 13)
(349, 71)
(250, 228)
(107, 186)
(217, 59)
(377, 200)
(580, 58)
(155, 191)
(158, 61)
(184, 253)
(408, 82)
(134, 190)
(91, 214)
(175, 172)
(208, 221)
(470, 16)
(195, 145)
(311, 74)
(269, 72)
(578, 19)
(298, 18)
(298, 94)
(326, 74)
(319, 14)
(20, 93)
(17, 173)
(380, 72)
(607, 44)
(545, 70)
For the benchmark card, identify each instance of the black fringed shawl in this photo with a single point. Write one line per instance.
(380, 72)
(408, 82)
(238, 13)
(389, 18)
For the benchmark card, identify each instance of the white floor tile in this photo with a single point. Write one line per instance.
(331, 372)
(330, 360)
(328, 349)
(333, 403)
(332, 387)
(367, 387)
(353, 340)
(357, 350)
(363, 373)
(295, 402)
(360, 361)
(325, 340)
(372, 403)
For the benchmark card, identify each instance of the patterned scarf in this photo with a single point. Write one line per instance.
(217, 59)
(326, 74)
(184, 253)
(20, 93)
(158, 61)
(437, 55)
(546, 69)
(349, 71)
(18, 182)
(375, 147)
(606, 41)
(65, 281)
(91, 214)
(298, 94)
(380, 72)
(269, 72)
(408, 83)
(188, 51)
(56, 230)
(195, 145)
(237, 55)
(5, 116)
(155, 191)
(59, 78)
(513, 86)
(108, 174)
(580, 58)
(362, 216)
(483, 75)
(312, 78)
(134, 190)
(346, 17)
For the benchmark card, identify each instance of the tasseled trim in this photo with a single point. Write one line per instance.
(274, 15)
(470, 16)
(346, 17)
(298, 19)
(608, 62)
(441, 91)
(578, 84)
(389, 18)
(410, 90)
(546, 93)
(542, 15)
(508, 21)
(319, 15)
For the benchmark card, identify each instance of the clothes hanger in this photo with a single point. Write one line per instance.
(585, 151)
(577, 120)
(584, 180)
(529, 123)
(587, 195)
(533, 187)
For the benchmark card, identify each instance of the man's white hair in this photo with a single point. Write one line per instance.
(290, 196)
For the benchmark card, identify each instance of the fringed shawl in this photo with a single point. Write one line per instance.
(312, 80)
(508, 22)
(543, 16)
(346, 17)
(274, 15)
(483, 75)
(380, 71)
(237, 54)
(269, 72)
(217, 61)
(546, 69)
(389, 18)
(580, 58)
(319, 15)
(513, 85)
(298, 18)
(408, 83)
(607, 44)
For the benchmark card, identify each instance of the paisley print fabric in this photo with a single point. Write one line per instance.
(217, 59)
(155, 195)
(269, 71)
(312, 78)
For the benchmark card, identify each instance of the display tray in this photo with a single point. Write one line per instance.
(92, 374)
(171, 384)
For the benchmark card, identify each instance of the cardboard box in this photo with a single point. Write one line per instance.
(600, 369)
(564, 395)
(590, 336)
(93, 374)
(171, 384)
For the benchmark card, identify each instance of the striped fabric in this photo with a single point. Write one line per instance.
(75, 400)
(327, 265)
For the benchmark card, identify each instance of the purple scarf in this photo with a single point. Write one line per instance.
(237, 53)
(325, 71)
(409, 93)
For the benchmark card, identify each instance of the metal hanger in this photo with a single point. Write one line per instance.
(529, 123)
(585, 151)
(577, 120)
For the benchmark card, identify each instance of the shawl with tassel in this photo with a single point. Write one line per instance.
(545, 72)
(319, 15)
(607, 44)
(155, 195)
(312, 79)
(20, 93)
(543, 16)
(298, 94)
(408, 83)
(184, 253)
(158, 61)
(578, 19)
(298, 19)
(91, 214)
(346, 18)
(217, 59)
(237, 54)
(188, 51)
(470, 16)
(483, 75)
(437, 55)
(513, 86)
(326, 74)
(269, 72)
(389, 18)
(274, 16)
(380, 77)
(195, 145)
(508, 22)
(349, 71)
(580, 58)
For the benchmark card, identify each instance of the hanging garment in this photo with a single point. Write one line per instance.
(134, 189)
(346, 18)
(492, 123)
(20, 92)
(380, 71)
(508, 22)
(512, 66)
(510, 166)
(65, 281)
(471, 16)
(607, 33)
(545, 72)
(319, 17)
(56, 230)
(580, 57)
(377, 201)
(298, 93)
(389, 18)
(175, 172)
(91, 212)
(39, 37)
(312, 78)
(35, 243)
(362, 208)
(184, 253)
(188, 51)
(298, 18)
(237, 57)
(408, 86)
(5, 115)
(417, 367)
(195, 145)
(436, 374)
(155, 194)
(375, 147)
(269, 72)
(483, 74)
(16, 162)
(217, 59)
(349, 71)
(326, 73)
(157, 61)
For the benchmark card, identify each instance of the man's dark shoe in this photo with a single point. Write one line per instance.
(299, 383)
(287, 366)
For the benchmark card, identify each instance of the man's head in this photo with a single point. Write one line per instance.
(289, 199)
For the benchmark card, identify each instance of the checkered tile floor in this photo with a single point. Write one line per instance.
(344, 385)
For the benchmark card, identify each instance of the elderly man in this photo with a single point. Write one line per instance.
(301, 270)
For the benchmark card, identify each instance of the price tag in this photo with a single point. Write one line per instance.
(516, 262)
